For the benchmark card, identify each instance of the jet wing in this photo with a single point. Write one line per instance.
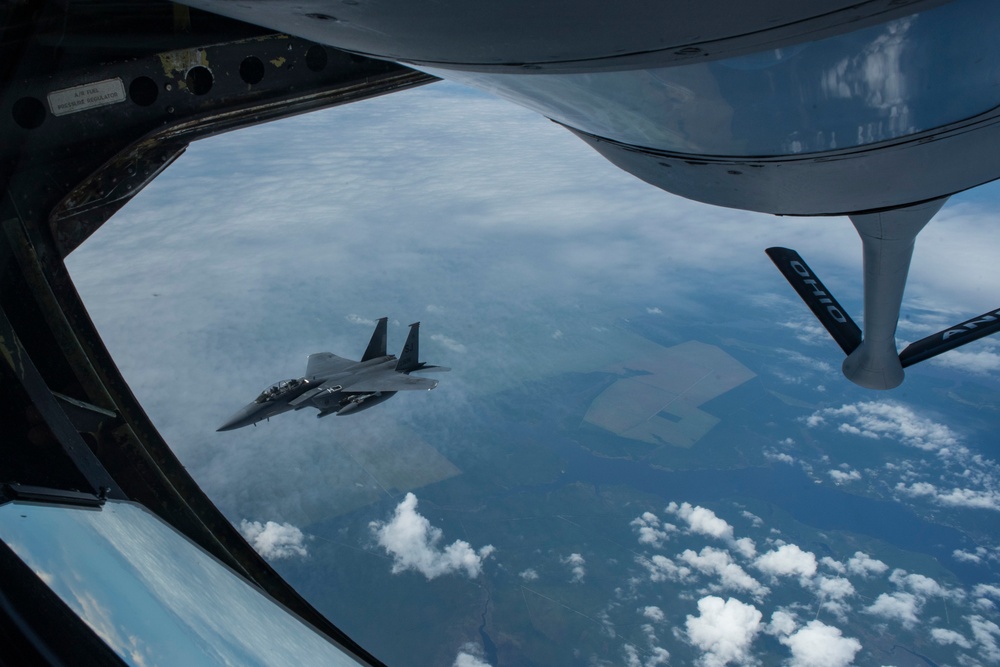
(325, 363)
(319, 397)
(391, 381)
(308, 396)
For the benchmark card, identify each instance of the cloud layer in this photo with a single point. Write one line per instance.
(819, 645)
(413, 543)
(723, 631)
(834, 598)
(273, 540)
(960, 478)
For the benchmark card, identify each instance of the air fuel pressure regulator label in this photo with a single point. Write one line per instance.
(88, 96)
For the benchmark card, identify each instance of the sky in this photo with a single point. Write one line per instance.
(521, 251)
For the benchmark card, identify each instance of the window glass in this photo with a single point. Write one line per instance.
(645, 446)
(153, 596)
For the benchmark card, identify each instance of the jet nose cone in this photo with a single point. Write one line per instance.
(244, 417)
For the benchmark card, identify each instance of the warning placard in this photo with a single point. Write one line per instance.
(89, 96)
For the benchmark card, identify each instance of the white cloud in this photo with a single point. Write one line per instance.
(920, 584)
(843, 477)
(753, 518)
(836, 588)
(662, 568)
(412, 542)
(854, 430)
(470, 656)
(274, 540)
(985, 631)
(787, 560)
(719, 563)
(357, 319)
(917, 489)
(449, 343)
(702, 520)
(576, 563)
(654, 310)
(956, 497)
(968, 556)
(832, 593)
(970, 498)
(987, 589)
(834, 565)
(820, 645)
(780, 457)
(653, 613)
(874, 419)
(945, 637)
(809, 362)
(651, 531)
(746, 547)
(899, 606)
(808, 331)
(657, 656)
(984, 604)
(723, 631)
(864, 565)
(529, 575)
(782, 623)
(978, 362)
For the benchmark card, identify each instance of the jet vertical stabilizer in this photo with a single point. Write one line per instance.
(376, 346)
(409, 358)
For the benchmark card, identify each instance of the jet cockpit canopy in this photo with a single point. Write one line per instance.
(281, 388)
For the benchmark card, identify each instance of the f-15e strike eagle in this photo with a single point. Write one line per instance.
(337, 386)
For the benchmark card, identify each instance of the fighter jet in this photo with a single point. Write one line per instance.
(337, 386)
